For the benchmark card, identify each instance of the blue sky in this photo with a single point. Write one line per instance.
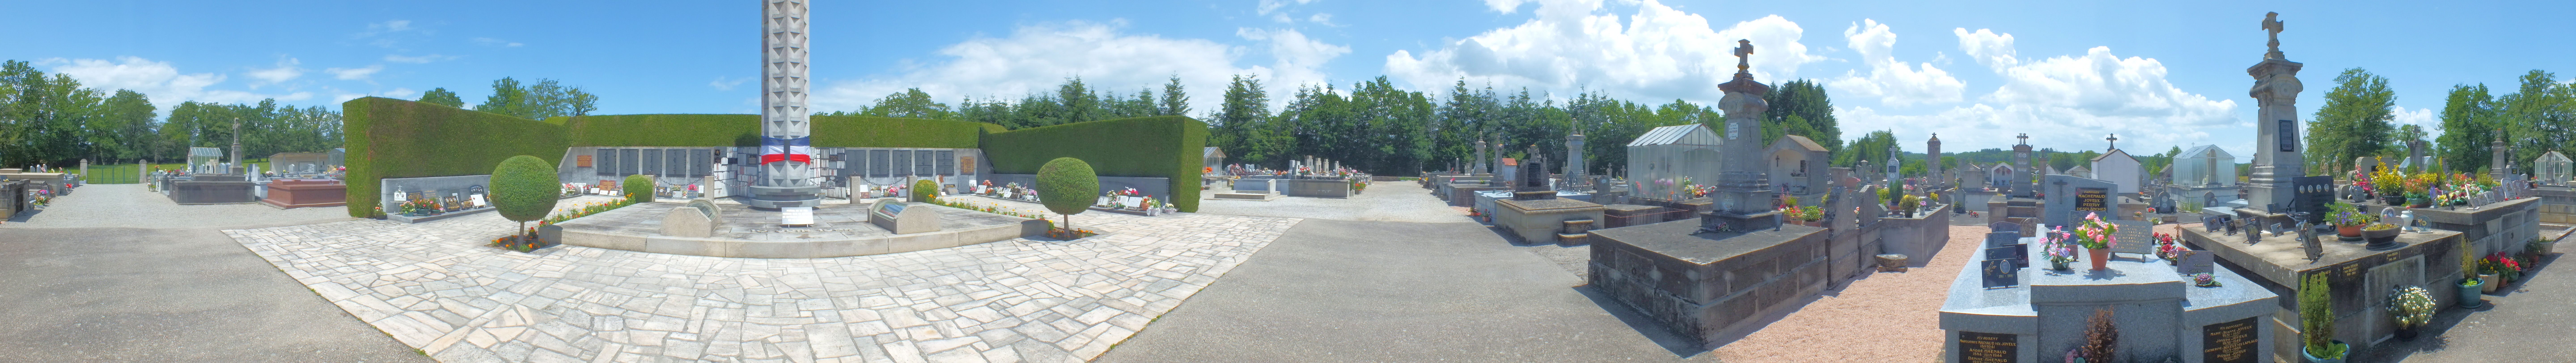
(2158, 73)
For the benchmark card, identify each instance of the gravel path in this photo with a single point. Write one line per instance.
(1393, 202)
(129, 205)
(1887, 317)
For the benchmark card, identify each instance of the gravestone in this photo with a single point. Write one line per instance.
(1998, 239)
(2070, 198)
(2195, 262)
(2311, 194)
(2000, 273)
(2133, 237)
(2018, 253)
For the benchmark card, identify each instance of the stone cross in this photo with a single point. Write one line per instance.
(2115, 141)
(1744, 54)
(2272, 23)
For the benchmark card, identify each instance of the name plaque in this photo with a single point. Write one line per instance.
(2092, 200)
(2229, 342)
(2000, 273)
(1975, 347)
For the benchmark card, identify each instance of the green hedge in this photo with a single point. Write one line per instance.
(1158, 147)
(391, 138)
(698, 130)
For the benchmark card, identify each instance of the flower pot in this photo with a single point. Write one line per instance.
(2376, 234)
(2405, 333)
(2347, 348)
(2348, 231)
(2492, 281)
(2392, 199)
(2420, 202)
(2101, 257)
(2469, 294)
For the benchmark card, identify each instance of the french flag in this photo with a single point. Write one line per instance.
(776, 149)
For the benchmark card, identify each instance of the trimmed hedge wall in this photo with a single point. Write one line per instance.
(701, 130)
(391, 138)
(1158, 147)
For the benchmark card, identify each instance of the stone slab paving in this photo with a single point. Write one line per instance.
(435, 286)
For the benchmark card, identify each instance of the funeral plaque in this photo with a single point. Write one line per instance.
(2001, 272)
(2229, 342)
(2092, 199)
(1975, 347)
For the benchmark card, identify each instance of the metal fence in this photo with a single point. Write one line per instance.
(113, 175)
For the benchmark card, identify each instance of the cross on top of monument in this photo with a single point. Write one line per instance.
(1743, 54)
(2025, 139)
(2115, 141)
(2272, 23)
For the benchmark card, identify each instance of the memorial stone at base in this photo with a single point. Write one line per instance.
(2000, 311)
(2071, 198)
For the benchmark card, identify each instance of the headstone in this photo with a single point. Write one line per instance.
(2311, 195)
(699, 219)
(1997, 239)
(903, 218)
(2000, 273)
(1742, 199)
(2070, 198)
(2134, 237)
(2018, 253)
(2277, 156)
(2195, 262)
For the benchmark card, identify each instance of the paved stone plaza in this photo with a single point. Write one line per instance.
(435, 286)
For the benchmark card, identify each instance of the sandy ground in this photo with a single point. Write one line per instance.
(1887, 317)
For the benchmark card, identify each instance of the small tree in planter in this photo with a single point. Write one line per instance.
(2316, 319)
(524, 189)
(2101, 338)
(1065, 185)
(638, 188)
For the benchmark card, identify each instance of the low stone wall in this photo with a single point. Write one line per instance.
(1708, 287)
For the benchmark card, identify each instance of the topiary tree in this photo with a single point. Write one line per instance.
(2101, 338)
(2316, 317)
(524, 189)
(639, 188)
(1066, 186)
(925, 191)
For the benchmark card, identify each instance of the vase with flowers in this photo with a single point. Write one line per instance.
(2055, 245)
(2094, 235)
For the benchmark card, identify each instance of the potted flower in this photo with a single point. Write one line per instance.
(2470, 282)
(2348, 220)
(2410, 307)
(1814, 217)
(2316, 322)
(2060, 253)
(1909, 204)
(2168, 250)
(2390, 184)
(2095, 235)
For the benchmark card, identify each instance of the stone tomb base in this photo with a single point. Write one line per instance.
(2162, 317)
(1539, 221)
(1710, 288)
(2358, 279)
(838, 230)
(192, 192)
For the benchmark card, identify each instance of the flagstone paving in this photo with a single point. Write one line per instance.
(436, 287)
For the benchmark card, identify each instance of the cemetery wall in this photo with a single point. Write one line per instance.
(390, 138)
(1158, 147)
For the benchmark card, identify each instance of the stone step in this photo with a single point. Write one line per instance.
(1573, 238)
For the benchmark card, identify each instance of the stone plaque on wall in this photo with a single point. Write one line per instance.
(2229, 342)
(1975, 347)
(2092, 200)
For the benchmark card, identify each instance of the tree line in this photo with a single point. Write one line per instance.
(1380, 128)
(52, 119)
(2358, 117)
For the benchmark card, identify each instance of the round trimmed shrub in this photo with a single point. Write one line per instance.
(523, 189)
(639, 188)
(1066, 186)
(924, 191)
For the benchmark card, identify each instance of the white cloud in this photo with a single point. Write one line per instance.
(418, 59)
(2421, 117)
(1505, 6)
(2070, 103)
(398, 92)
(1037, 58)
(355, 73)
(1894, 83)
(1992, 50)
(1271, 8)
(498, 42)
(392, 26)
(723, 83)
(286, 70)
(1657, 53)
(160, 81)
(1325, 19)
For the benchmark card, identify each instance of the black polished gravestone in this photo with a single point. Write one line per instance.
(2311, 194)
(2000, 273)
(1999, 239)
(2019, 254)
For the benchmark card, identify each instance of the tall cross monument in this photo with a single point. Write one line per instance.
(1743, 188)
(786, 180)
(2276, 131)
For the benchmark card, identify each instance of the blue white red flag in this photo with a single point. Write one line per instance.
(775, 149)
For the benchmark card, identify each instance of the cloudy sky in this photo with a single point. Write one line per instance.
(2157, 73)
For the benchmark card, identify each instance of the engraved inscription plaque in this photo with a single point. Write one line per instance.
(2229, 342)
(1975, 347)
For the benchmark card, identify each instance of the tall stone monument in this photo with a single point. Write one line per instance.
(1574, 171)
(2276, 132)
(2496, 166)
(1933, 178)
(1743, 188)
(786, 180)
(2021, 187)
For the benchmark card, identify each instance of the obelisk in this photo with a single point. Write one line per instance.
(2022, 171)
(1743, 187)
(1574, 168)
(786, 178)
(2276, 131)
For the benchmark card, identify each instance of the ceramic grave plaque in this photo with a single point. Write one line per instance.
(2000, 273)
